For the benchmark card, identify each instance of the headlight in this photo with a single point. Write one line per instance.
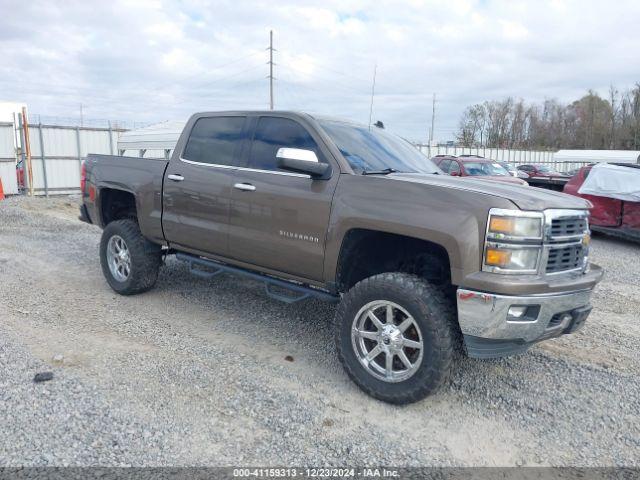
(511, 258)
(513, 242)
(514, 225)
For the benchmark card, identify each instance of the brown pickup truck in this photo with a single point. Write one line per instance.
(421, 264)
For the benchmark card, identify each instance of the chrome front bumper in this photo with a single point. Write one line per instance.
(489, 331)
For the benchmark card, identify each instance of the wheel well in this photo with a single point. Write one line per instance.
(365, 253)
(116, 205)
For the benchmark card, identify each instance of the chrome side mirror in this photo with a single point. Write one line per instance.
(300, 160)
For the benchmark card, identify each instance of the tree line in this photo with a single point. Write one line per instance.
(592, 122)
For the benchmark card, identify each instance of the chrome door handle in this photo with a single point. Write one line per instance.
(175, 177)
(247, 187)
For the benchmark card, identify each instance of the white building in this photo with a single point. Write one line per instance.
(597, 156)
(155, 141)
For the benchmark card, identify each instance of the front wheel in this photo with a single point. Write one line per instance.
(130, 263)
(395, 337)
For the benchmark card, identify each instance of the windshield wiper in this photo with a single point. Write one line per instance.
(385, 171)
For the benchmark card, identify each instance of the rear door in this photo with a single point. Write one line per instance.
(278, 220)
(197, 185)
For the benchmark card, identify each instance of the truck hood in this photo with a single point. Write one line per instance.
(524, 197)
(500, 178)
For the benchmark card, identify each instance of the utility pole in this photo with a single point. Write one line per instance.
(271, 50)
(433, 119)
(373, 90)
(81, 116)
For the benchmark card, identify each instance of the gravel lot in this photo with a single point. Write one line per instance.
(194, 372)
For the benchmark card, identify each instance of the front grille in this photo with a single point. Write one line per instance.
(568, 226)
(565, 258)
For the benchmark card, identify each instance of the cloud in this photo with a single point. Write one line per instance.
(155, 60)
(513, 30)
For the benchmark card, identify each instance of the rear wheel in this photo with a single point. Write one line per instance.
(395, 337)
(130, 263)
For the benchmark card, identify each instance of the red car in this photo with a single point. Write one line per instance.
(608, 215)
(476, 167)
(539, 171)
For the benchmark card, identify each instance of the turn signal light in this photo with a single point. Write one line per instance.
(502, 224)
(497, 258)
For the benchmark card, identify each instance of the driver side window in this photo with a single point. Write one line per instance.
(273, 133)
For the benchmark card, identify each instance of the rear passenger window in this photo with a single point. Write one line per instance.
(215, 140)
(444, 165)
(273, 133)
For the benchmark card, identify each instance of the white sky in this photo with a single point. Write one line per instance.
(155, 60)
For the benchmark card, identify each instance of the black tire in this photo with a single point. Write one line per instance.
(145, 258)
(435, 316)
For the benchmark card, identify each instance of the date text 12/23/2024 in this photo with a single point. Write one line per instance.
(315, 472)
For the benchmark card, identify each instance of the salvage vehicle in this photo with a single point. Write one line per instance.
(474, 166)
(539, 171)
(513, 171)
(543, 176)
(615, 197)
(422, 265)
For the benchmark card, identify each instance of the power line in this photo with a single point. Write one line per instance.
(333, 70)
(72, 90)
(216, 67)
(331, 81)
(226, 77)
(291, 93)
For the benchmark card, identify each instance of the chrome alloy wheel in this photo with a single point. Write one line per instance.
(118, 258)
(387, 341)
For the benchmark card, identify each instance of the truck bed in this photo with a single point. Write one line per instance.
(550, 183)
(125, 171)
(142, 177)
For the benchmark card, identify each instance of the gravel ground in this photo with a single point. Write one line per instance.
(194, 372)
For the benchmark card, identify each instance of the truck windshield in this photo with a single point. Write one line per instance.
(376, 150)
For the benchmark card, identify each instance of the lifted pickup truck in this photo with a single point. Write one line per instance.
(421, 264)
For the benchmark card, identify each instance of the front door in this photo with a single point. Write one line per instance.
(278, 220)
(197, 186)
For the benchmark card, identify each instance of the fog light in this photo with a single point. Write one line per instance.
(517, 312)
